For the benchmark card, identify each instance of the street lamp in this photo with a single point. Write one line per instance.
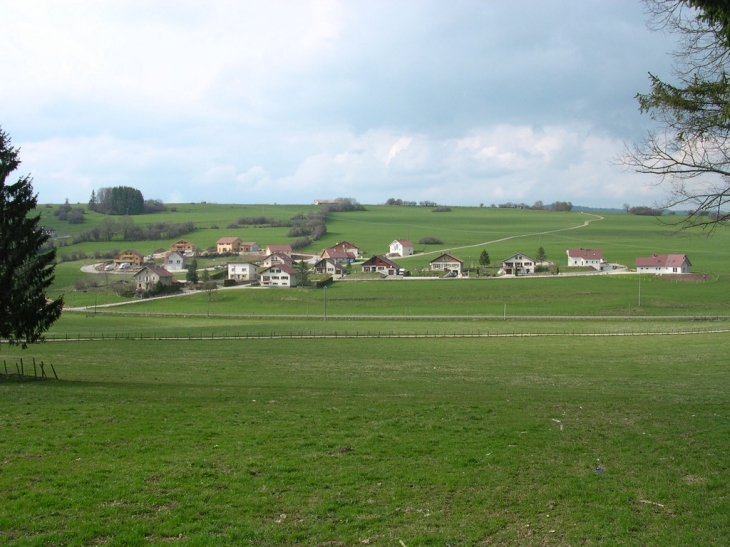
(325, 302)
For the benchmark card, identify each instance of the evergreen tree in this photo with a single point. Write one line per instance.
(302, 274)
(25, 272)
(205, 277)
(484, 258)
(192, 275)
(541, 256)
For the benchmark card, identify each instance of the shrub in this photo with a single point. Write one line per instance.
(441, 210)
(430, 241)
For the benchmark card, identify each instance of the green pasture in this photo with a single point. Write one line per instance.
(417, 442)
(606, 295)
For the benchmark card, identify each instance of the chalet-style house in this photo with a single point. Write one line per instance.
(338, 255)
(278, 258)
(249, 247)
(329, 267)
(243, 271)
(518, 264)
(349, 247)
(174, 261)
(228, 245)
(129, 257)
(285, 249)
(279, 275)
(183, 246)
(663, 264)
(586, 257)
(146, 278)
(381, 264)
(401, 247)
(447, 263)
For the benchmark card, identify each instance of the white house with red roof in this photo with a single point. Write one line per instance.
(663, 264)
(401, 247)
(447, 263)
(278, 258)
(586, 257)
(381, 264)
(279, 275)
(349, 247)
(284, 249)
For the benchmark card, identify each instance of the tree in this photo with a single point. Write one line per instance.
(25, 271)
(541, 256)
(192, 274)
(205, 276)
(484, 258)
(689, 154)
(302, 274)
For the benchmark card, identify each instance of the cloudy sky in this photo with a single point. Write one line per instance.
(459, 102)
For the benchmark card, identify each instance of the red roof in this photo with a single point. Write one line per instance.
(162, 272)
(279, 248)
(405, 242)
(662, 261)
(590, 254)
(283, 267)
(379, 260)
(335, 252)
(227, 240)
(450, 258)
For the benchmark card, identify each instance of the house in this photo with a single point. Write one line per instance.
(129, 257)
(279, 275)
(381, 264)
(182, 246)
(447, 263)
(243, 271)
(338, 255)
(174, 261)
(249, 247)
(663, 264)
(586, 257)
(349, 247)
(401, 247)
(278, 258)
(518, 264)
(285, 249)
(146, 278)
(228, 245)
(330, 267)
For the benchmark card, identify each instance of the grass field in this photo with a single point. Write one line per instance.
(538, 441)
(409, 413)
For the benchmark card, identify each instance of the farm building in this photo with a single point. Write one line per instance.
(661, 264)
(381, 264)
(586, 257)
(447, 263)
(518, 264)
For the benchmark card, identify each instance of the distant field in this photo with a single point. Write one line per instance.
(516, 441)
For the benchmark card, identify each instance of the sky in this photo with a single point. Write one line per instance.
(457, 102)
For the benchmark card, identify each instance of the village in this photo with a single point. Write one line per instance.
(278, 266)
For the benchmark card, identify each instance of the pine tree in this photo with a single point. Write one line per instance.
(484, 258)
(25, 271)
(192, 274)
(541, 256)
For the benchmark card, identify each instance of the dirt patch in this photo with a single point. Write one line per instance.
(685, 277)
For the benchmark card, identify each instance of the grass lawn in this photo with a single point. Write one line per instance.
(516, 441)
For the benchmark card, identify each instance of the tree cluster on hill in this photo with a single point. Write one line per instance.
(72, 215)
(343, 205)
(441, 209)
(269, 222)
(307, 228)
(561, 206)
(123, 200)
(428, 240)
(403, 203)
(109, 229)
(646, 211)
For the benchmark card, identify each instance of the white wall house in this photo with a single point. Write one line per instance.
(279, 275)
(586, 257)
(662, 264)
(401, 247)
(242, 271)
(518, 264)
(175, 261)
(447, 263)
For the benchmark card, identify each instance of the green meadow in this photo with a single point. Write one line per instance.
(549, 410)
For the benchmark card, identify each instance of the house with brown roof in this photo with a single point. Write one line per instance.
(663, 264)
(518, 264)
(279, 275)
(586, 257)
(285, 249)
(329, 267)
(228, 245)
(249, 247)
(349, 247)
(401, 247)
(278, 258)
(129, 256)
(338, 255)
(447, 263)
(381, 264)
(182, 246)
(146, 278)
